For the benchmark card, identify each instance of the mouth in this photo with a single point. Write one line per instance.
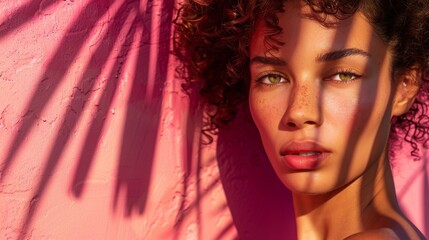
(306, 147)
(304, 155)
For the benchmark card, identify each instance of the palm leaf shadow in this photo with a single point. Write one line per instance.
(143, 114)
(56, 70)
(23, 15)
(97, 125)
(71, 116)
(136, 159)
(193, 161)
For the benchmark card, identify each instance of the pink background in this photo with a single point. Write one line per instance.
(98, 141)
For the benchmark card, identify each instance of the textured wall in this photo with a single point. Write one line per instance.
(98, 142)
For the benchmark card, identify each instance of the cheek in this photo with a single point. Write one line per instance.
(267, 112)
(361, 121)
(259, 109)
(355, 109)
(346, 115)
(341, 111)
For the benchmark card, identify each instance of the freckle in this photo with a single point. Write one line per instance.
(304, 96)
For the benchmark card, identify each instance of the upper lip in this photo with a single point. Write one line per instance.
(301, 146)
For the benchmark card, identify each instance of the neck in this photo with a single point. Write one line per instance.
(353, 208)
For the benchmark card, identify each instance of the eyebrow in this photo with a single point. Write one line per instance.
(326, 57)
(338, 54)
(268, 61)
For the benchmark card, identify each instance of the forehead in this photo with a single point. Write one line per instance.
(301, 27)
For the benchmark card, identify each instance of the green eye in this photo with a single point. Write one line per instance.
(274, 79)
(344, 77)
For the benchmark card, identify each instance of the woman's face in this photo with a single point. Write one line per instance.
(323, 102)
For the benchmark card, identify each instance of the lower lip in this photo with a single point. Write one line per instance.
(297, 162)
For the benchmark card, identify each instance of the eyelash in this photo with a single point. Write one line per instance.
(260, 80)
(347, 72)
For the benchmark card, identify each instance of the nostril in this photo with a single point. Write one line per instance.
(311, 123)
(291, 124)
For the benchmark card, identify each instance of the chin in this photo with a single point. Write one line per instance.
(309, 183)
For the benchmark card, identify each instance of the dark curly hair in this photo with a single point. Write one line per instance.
(212, 41)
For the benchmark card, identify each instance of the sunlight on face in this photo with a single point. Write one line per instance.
(322, 103)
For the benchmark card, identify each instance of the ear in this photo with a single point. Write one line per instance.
(407, 87)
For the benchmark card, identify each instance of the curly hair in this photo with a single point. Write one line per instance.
(212, 41)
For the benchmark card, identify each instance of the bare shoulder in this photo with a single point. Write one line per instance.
(384, 234)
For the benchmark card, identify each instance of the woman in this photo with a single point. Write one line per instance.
(328, 83)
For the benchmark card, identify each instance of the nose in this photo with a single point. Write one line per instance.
(303, 108)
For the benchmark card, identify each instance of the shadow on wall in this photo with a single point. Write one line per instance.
(135, 162)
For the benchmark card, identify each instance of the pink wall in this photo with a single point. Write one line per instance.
(98, 142)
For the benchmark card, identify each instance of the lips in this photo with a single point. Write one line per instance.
(304, 155)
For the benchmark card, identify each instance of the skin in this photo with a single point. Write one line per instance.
(331, 86)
